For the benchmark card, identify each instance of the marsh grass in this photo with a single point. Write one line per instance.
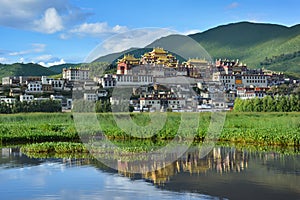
(280, 129)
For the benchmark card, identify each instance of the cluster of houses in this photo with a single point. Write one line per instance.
(157, 82)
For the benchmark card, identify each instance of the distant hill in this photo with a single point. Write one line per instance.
(252, 43)
(271, 46)
(110, 58)
(20, 69)
(58, 68)
(113, 58)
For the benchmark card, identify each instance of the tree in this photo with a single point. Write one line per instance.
(257, 105)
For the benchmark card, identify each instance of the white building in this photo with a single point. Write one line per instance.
(134, 80)
(256, 80)
(10, 80)
(246, 93)
(156, 104)
(90, 97)
(102, 93)
(46, 80)
(8, 100)
(108, 81)
(176, 103)
(26, 97)
(150, 103)
(34, 87)
(232, 81)
(57, 85)
(76, 74)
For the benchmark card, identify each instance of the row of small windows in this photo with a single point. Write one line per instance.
(130, 79)
(248, 81)
(244, 77)
(110, 83)
(35, 89)
(152, 102)
(158, 102)
(256, 81)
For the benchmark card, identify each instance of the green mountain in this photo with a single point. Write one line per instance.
(258, 45)
(20, 69)
(111, 58)
(58, 68)
(136, 52)
(254, 43)
(31, 69)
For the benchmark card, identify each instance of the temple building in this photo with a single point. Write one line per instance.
(158, 56)
(126, 63)
(197, 68)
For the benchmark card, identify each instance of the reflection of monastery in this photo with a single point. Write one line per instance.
(219, 160)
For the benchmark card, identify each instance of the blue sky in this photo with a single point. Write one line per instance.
(58, 31)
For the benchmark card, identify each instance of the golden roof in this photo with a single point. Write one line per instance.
(159, 50)
(128, 57)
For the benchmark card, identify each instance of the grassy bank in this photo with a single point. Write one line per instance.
(36, 127)
(125, 149)
(279, 129)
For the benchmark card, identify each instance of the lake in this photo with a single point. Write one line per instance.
(225, 173)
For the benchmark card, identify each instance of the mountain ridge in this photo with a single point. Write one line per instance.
(256, 44)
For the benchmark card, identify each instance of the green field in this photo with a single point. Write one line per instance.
(273, 129)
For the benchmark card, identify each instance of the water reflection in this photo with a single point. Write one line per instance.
(225, 172)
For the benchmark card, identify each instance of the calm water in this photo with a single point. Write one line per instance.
(226, 173)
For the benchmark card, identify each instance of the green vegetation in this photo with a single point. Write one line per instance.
(34, 106)
(56, 147)
(246, 128)
(20, 69)
(252, 43)
(58, 68)
(36, 127)
(125, 148)
(262, 128)
(268, 104)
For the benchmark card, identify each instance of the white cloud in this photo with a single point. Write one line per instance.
(38, 47)
(49, 64)
(50, 23)
(47, 60)
(97, 29)
(189, 32)
(44, 58)
(45, 14)
(2, 60)
(64, 36)
(233, 5)
(35, 48)
(22, 60)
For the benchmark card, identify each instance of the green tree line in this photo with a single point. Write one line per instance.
(280, 58)
(34, 106)
(268, 104)
(91, 106)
